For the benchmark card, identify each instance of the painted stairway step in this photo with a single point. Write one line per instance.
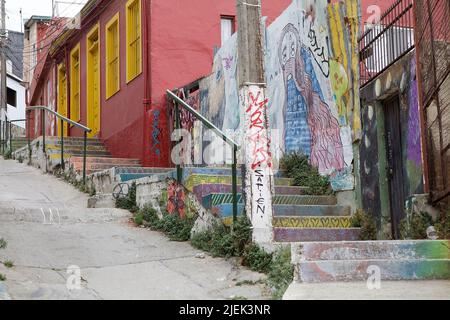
(282, 210)
(312, 222)
(124, 161)
(76, 148)
(315, 234)
(364, 250)
(57, 156)
(217, 171)
(95, 166)
(204, 189)
(357, 270)
(198, 179)
(215, 199)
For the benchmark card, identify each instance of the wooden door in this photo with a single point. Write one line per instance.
(395, 164)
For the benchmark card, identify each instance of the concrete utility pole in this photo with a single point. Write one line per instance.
(258, 183)
(3, 89)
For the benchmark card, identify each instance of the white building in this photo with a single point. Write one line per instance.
(15, 99)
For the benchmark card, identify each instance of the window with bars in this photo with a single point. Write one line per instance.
(112, 57)
(134, 42)
(75, 84)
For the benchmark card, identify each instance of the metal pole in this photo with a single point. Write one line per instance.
(3, 44)
(177, 127)
(10, 136)
(234, 182)
(62, 145)
(1, 134)
(43, 130)
(84, 157)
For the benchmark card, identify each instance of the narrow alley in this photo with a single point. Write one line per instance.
(117, 260)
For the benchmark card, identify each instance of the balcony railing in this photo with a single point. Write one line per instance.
(384, 43)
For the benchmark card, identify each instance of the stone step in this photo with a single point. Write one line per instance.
(312, 222)
(72, 141)
(376, 250)
(55, 154)
(215, 199)
(360, 270)
(311, 210)
(94, 167)
(204, 189)
(315, 234)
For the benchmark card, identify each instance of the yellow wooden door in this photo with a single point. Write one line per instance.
(93, 83)
(62, 97)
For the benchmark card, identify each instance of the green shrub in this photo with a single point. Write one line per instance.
(298, 168)
(3, 243)
(2, 277)
(128, 202)
(20, 159)
(176, 228)
(442, 226)
(281, 273)
(242, 234)
(415, 226)
(8, 264)
(8, 154)
(367, 224)
(257, 259)
(139, 218)
(218, 241)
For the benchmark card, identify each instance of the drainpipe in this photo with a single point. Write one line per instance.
(146, 66)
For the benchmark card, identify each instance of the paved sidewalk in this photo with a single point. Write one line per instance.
(117, 260)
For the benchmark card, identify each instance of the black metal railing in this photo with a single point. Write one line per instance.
(384, 43)
(63, 120)
(6, 135)
(177, 101)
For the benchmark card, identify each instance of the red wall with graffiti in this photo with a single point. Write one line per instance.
(183, 37)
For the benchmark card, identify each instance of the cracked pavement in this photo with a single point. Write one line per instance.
(117, 260)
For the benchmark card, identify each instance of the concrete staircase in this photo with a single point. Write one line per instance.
(17, 143)
(98, 157)
(297, 216)
(316, 262)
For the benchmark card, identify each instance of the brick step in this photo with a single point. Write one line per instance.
(215, 199)
(311, 210)
(204, 189)
(97, 160)
(359, 270)
(315, 234)
(312, 222)
(375, 250)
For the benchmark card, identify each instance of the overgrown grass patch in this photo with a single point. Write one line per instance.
(176, 228)
(8, 264)
(297, 167)
(3, 243)
(129, 201)
(2, 277)
(281, 273)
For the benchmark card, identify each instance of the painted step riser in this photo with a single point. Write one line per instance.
(196, 179)
(204, 189)
(96, 167)
(314, 210)
(312, 222)
(371, 250)
(225, 210)
(331, 271)
(213, 200)
(129, 162)
(315, 234)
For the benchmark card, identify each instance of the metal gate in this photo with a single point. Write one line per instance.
(432, 29)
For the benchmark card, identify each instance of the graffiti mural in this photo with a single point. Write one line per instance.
(176, 198)
(156, 133)
(310, 127)
(311, 62)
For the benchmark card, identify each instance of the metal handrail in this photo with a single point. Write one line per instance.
(63, 119)
(177, 100)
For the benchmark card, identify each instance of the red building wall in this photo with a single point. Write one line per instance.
(183, 37)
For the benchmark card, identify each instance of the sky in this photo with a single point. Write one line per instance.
(67, 8)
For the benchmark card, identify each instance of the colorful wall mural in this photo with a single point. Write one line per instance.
(311, 64)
